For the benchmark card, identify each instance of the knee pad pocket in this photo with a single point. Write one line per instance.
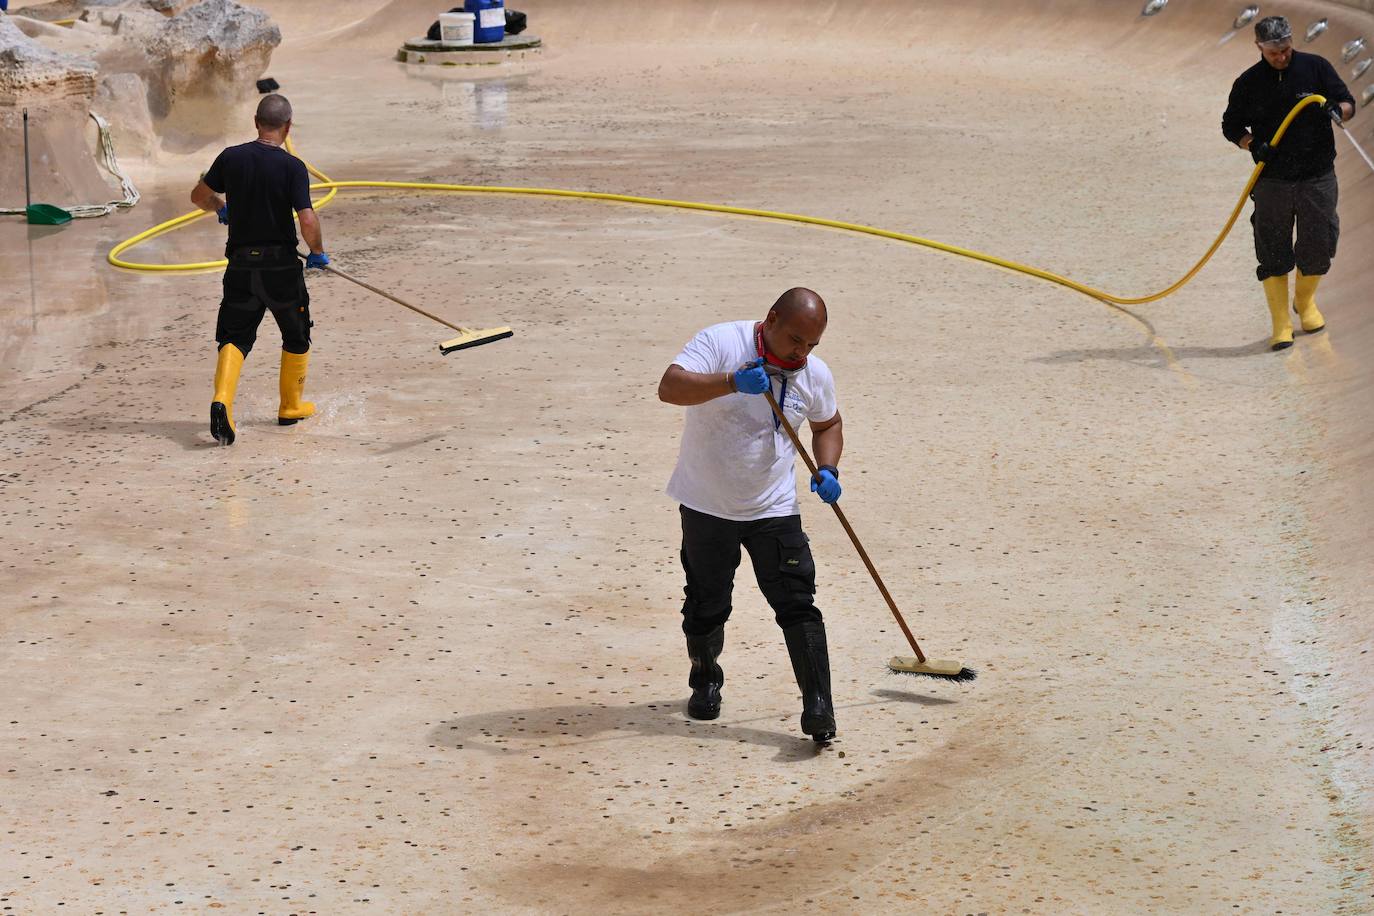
(796, 564)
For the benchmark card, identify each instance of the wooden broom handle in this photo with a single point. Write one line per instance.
(839, 514)
(385, 295)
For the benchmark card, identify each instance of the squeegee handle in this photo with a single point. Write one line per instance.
(1355, 143)
(839, 514)
(385, 295)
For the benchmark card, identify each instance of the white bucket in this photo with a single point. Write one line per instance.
(455, 28)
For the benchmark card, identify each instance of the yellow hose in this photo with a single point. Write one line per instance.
(326, 183)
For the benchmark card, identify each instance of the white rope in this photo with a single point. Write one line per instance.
(106, 157)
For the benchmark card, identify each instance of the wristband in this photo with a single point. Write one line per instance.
(831, 468)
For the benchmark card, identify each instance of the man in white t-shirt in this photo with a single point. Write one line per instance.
(736, 483)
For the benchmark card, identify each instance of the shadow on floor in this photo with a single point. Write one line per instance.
(194, 435)
(565, 726)
(191, 435)
(1149, 356)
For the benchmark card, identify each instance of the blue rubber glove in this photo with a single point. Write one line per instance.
(316, 260)
(826, 484)
(752, 379)
(223, 214)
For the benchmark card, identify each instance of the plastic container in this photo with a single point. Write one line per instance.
(456, 28)
(491, 20)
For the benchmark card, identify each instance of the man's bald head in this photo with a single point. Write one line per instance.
(795, 324)
(274, 112)
(799, 302)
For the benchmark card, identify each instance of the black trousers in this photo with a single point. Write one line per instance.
(1280, 205)
(259, 280)
(782, 560)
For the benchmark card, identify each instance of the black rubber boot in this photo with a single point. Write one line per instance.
(811, 665)
(706, 678)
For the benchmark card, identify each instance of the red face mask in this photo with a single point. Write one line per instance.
(788, 364)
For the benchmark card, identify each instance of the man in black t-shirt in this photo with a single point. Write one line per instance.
(264, 184)
(1298, 184)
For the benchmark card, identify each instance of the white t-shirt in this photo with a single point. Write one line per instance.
(736, 462)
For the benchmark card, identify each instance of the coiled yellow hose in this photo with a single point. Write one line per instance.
(333, 187)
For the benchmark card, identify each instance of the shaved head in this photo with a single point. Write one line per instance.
(274, 112)
(794, 324)
(800, 302)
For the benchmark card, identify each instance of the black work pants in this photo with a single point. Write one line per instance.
(783, 566)
(1310, 206)
(259, 280)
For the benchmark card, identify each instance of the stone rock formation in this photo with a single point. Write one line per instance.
(167, 73)
(57, 89)
(30, 71)
(204, 62)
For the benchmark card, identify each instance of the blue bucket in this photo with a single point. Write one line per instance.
(490, 24)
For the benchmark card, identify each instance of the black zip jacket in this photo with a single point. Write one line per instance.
(1261, 98)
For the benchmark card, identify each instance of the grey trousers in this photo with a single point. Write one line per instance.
(1310, 205)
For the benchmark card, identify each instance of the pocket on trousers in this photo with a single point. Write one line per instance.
(285, 286)
(238, 286)
(795, 563)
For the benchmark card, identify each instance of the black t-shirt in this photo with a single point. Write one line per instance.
(1262, 97)
(263, 185)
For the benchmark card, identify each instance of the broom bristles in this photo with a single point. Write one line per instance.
(964, 676)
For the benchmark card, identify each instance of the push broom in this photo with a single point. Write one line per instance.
(900, 664)
(467, 337)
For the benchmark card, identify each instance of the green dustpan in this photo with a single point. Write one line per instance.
(46, 215)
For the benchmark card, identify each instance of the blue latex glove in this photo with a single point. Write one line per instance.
(316, 260)
(223, 214)
(826, 484)
(752, 379)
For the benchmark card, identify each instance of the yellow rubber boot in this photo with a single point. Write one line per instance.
(1276, 291)
(293, 409)
(1305, 303)
(227, 369)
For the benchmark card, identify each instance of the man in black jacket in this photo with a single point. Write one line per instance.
(1298, 184)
